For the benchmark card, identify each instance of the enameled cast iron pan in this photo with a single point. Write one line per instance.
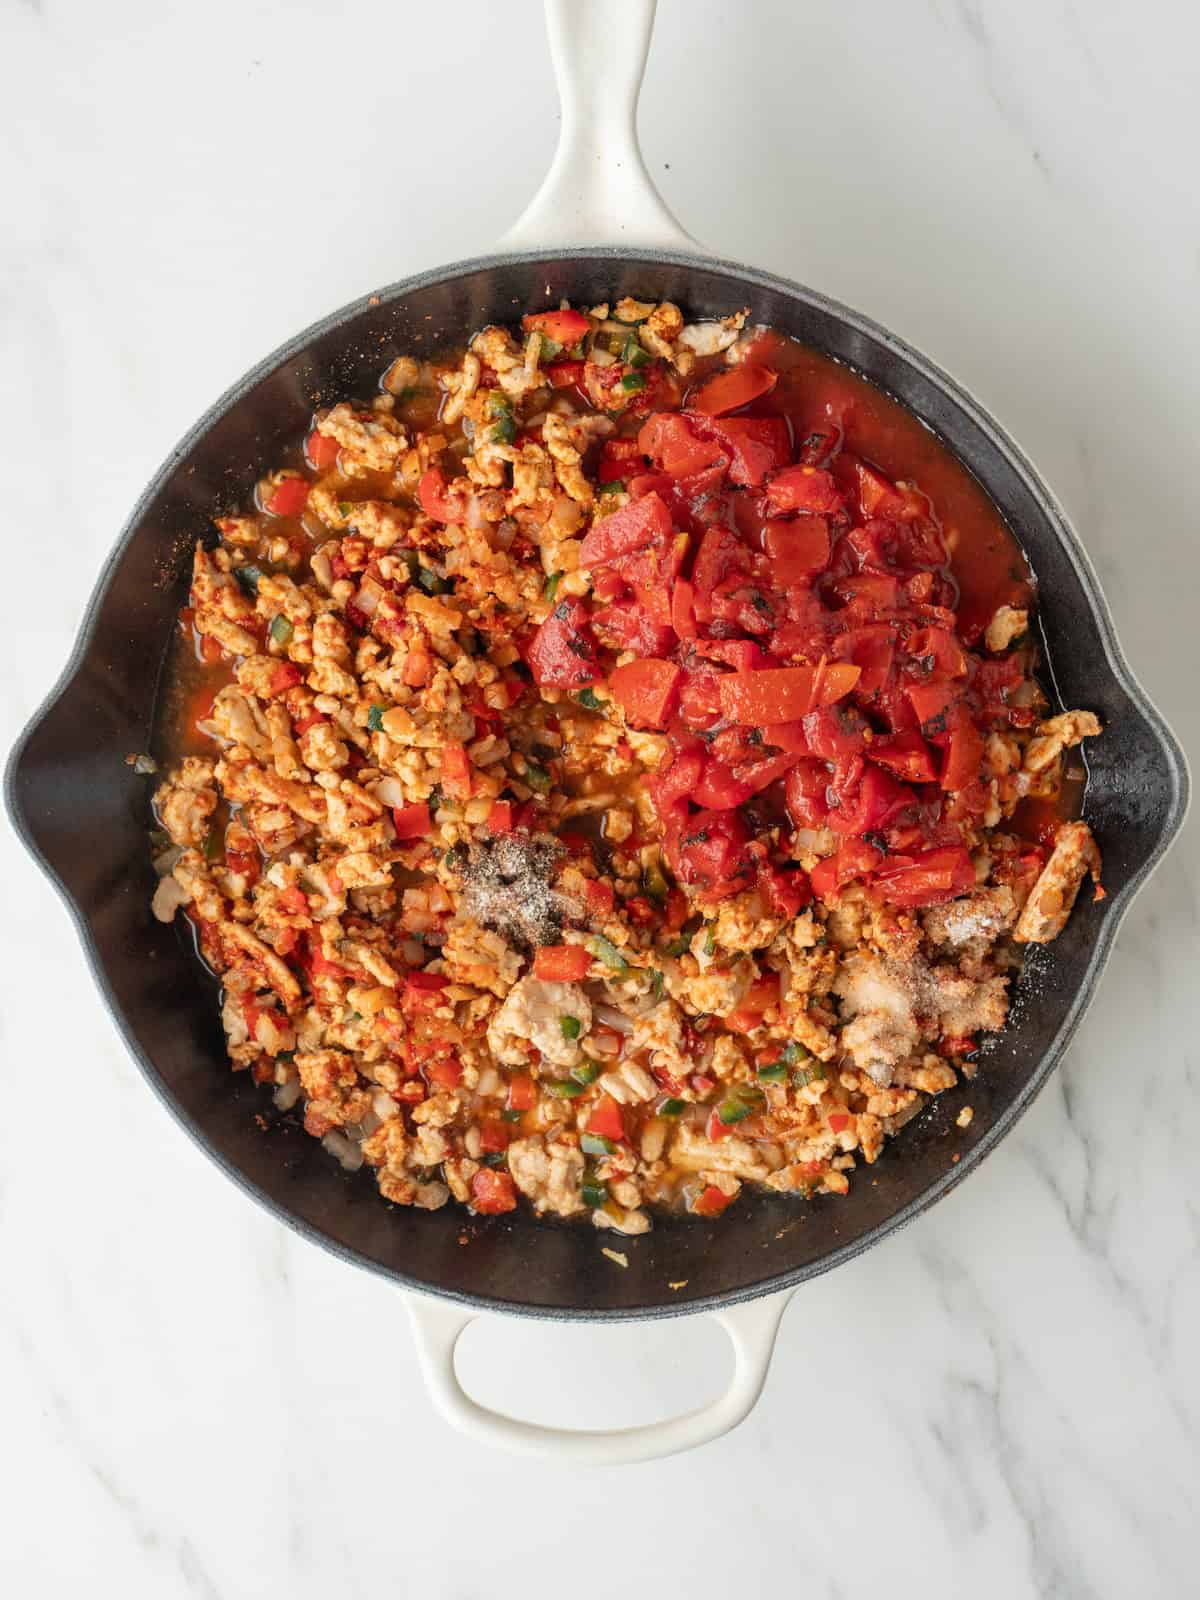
(83, 812)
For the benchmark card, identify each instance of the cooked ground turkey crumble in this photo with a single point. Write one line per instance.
(598, 788)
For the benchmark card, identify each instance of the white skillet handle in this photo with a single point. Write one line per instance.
(598, 190)
(751, 1328)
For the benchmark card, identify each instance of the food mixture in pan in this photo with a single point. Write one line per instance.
(608, 770)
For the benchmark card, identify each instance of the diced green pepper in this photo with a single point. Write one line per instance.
(495, 1158)
(774, 1071)
(586, 1072)
(509, 1115)
(589, 701)
(248, 578)
(656, 983)
(633, 381)
(604, 950)
(537, 777)
(613, 486)
(679, 946)
(671, 1107)
(214, 844)
(550, 587)
(375, 719)
(563, 1088)
(595, 1144)
(281, 629)
(710, 942)
(739, 1104)
(430, 582)
(592, 1191)
(571, 1027)
(633, 354)
(813, 1072)
(654, 882)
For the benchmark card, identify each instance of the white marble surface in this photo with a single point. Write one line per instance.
(1003, 1401)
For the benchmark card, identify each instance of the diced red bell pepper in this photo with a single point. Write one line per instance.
(445, 1071)
(522, 1093)
(676, 781)
(743, 655)
(782, 694)
(321, 450)
(492, 1192)
(711, 1201)
(719, 788)
(838, 1121)
(456, 771)
(907, 755)
(941, 650)
(932, 702)
(605, 1119)
(601, 897)
(423, 991)
(836, 732)
(797, 548)
(436, 500)
(871, 648)
(562, 963)
(412, 822)
(926, 878)
(732, 389)
(646, 691)
(501, 818)
(788, 737)
(494, 1135)
(564, 327)
(675, 447)
(633, 527)
(286, 675)
(563, 651)
(619, 459)
(803, 489)
(720, 556)
(289, 498)
(565, 374)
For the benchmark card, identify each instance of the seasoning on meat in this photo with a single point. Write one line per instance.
(600, 787)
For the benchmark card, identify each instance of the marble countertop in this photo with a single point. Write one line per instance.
(1002, 1400)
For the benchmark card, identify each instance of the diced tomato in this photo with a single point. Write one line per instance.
(783, 694)
(676, 781)
(412, 822)
(758, 998)
(710, 852)
(501, 817)
(492, 1192)
(456, 771)
(926, 878)
(564, 375)
(563, 651)
(941, 649)
(877, 496)
(797, 548)
(627, 625)
(788, 737)
(803, 489)
(646, 691)
(562, 963)
(683, 609)
(289, 498)
(418, 668)
(293, 901)
(964, 754)
(674, 446)
(854, 859)
(873, 802)
(445, 1071)
(632, 528)
(423, 991)
(743, 655)
(838, 1120)
(605, 1119)
(321, 450)
(734, 388)
(719, 787)
(756, 446)
(564, 327)
(788, 889)
(600, 897)
(907, 755)
(873, 650)
(710, 1202)
(807, 790)
(522, 1094)
(619, 459)
(436, 501)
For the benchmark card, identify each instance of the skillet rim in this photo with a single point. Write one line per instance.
(1174, 761)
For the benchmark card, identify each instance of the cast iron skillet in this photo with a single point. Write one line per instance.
(82, 812)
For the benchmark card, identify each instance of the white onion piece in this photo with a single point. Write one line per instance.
(389, 792)
(368, 597)
(613, 1018)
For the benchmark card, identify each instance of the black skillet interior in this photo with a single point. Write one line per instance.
(84, 813)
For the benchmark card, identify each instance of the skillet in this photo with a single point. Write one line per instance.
(69, 766)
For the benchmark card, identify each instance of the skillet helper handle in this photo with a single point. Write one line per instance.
(751, 1328)
(598, 190)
